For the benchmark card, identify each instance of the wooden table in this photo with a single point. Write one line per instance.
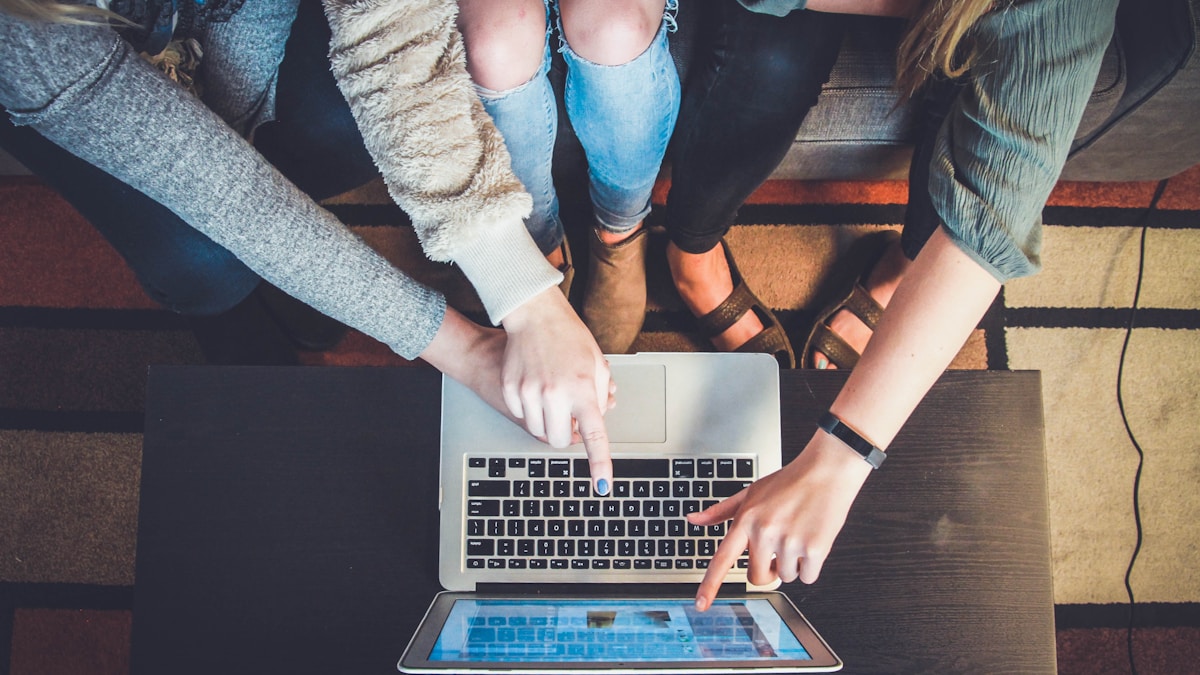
(288, 524)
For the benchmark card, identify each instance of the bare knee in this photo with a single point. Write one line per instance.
(505, 40)
(611, 32)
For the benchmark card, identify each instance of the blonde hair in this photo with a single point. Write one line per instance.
(937, 42)
(61, 12)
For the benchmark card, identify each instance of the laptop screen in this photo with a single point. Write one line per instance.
(505, 632)
(614, 630)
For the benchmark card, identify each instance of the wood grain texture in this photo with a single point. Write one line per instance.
(288, 523)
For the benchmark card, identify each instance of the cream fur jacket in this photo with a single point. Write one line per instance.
(402, 67)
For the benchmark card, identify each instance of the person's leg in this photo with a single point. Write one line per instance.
(920, 222)
(508, 58)
(622, 96)
(313, 140)
(920, 218)
(178, 267)
(742, 107)
(266, 72)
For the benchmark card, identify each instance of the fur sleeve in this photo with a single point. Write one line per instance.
(402, 67)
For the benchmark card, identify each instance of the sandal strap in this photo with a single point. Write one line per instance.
(771, 340)
(865, 307)
(728, 312)
(833, 347)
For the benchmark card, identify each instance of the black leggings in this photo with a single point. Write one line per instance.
(754, 79)
(920, 218)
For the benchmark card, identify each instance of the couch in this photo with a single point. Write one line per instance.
(1142, 123)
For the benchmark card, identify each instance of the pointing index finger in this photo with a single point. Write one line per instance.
(595, 443)
(727, 554)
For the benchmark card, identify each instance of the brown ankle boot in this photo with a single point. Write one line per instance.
(614, 303)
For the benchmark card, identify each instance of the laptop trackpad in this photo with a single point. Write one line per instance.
(641, 412)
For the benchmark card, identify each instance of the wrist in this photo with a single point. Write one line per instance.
(834, 461)
(535, 310)
(457, 341)
(854, 441)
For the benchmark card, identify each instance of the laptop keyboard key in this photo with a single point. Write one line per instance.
(483, 507)
(728, 488)
(640, 468)
(683, 468)
(745, 468)
(724, 468)
(496, 467)
(487, 488)
(480, 547)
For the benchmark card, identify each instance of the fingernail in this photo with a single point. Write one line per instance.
(701, 603)
(822, 363)
(602, 487)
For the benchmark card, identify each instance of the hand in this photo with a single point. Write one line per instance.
(557, 381)
(788, 520)
(471, 354)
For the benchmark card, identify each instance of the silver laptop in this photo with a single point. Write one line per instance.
(689, 429)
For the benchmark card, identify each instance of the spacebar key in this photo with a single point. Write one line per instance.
(641, 468)
(728, 488)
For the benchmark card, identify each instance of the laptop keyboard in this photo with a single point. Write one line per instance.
(542, 514)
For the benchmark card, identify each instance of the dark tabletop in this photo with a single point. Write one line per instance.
(288, 524)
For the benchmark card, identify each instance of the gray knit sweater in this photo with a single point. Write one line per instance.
(84, 89)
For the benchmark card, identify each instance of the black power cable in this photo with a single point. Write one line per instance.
(1137, 476)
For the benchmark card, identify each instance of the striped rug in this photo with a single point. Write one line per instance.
(76, 335)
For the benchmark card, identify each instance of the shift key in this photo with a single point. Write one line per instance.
(728, 488)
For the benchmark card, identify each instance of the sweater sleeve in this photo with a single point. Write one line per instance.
(402, 68)
(1005, 140)
(84, 89)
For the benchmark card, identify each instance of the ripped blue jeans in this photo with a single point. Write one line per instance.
(623, 116)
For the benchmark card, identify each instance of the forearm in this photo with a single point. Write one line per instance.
(940, 301)
(128, 120)
(402, 68)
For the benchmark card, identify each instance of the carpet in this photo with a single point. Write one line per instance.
(76, 335)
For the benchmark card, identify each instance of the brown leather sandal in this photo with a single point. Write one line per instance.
(770, 340)
(850, 294)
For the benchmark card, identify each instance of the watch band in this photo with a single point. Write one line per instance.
(830, 424)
